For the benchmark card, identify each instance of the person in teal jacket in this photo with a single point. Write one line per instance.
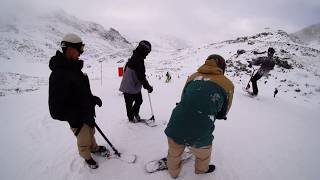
(207, 96)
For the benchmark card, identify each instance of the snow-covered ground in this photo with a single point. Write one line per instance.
(263, 138)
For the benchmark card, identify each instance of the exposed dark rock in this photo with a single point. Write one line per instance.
(256, 52)
(241, 51)
(242, 39)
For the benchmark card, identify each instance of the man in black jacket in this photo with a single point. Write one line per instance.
(70, 97)
(133, 79)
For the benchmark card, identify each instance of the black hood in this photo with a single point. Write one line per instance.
(60, 62)
(136, 61)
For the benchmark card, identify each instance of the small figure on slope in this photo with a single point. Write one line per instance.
(266, 65)
(168, 76)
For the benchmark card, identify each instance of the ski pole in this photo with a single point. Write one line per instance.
(152, 115)
(104, 136)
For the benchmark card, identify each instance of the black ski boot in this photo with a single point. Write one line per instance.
(163, 164)
(102, 151)
(92, 163)
(211, 168)
(137, 118)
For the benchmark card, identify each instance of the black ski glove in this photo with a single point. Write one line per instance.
(222, 117)
(97, 101)
(150, 89)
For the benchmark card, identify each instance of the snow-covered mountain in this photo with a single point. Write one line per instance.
(297, 71)
(29, 41)
(164, 43)
(36, 37)
(310, 35)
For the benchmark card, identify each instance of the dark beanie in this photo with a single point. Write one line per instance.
(221, 63)
(145, 45)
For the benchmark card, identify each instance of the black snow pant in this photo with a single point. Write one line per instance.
(254, 80)
(133, 109)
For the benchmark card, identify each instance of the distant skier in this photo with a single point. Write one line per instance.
(70, 97)
(275, 92)
(207, 96)
(266, 65)
(134, 78)
(168, 76)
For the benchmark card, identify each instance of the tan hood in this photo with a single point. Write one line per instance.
(210, 67)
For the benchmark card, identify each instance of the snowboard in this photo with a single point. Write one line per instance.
(161, 164)
(128, 158)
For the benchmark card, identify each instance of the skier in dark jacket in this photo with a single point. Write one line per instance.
(134, 78)
(207, 96)
(70, 97)
(266, 65)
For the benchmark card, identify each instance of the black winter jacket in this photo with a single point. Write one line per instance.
(136, 62)
(70, 97)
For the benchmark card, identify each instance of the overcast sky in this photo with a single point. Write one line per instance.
(198, 21)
